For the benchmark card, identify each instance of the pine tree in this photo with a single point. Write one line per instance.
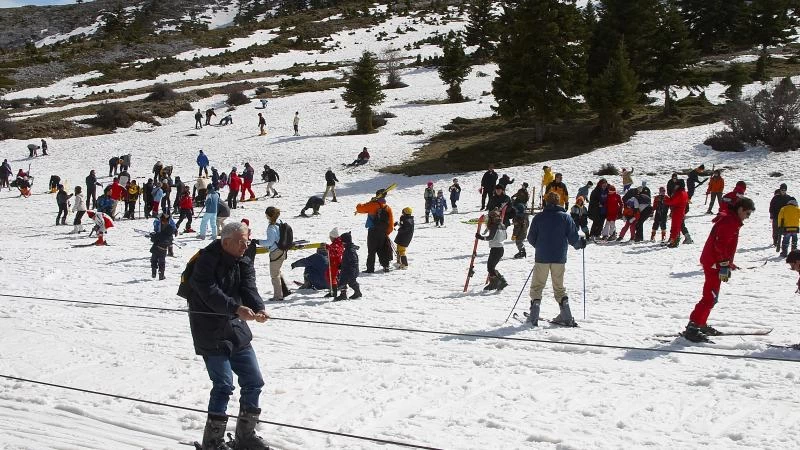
(633, 21)
(713, 22)
(480, 28)
(541, 61)
(672, 55)
(613, 92)
(454, 67)
(363, 91)
(735, 77)
(769, 23)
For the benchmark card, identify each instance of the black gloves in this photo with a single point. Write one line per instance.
(478, 236)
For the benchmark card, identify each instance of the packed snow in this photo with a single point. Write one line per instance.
(439, 391)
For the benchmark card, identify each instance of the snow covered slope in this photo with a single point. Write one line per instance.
(440, 391)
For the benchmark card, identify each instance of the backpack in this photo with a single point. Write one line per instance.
(184, 290)
(381, 216)
(286, 237)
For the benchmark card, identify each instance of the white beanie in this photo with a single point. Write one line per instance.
(334, 233)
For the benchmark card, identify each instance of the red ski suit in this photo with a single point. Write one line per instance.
(720, 246)
(335, 252)
(677, 205)
(613, 206)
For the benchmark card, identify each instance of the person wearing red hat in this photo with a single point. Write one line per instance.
(102, 223)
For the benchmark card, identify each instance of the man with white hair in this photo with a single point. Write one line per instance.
(222, 297)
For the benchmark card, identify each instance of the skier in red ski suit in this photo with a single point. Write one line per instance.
(677, 203)
(717, 262)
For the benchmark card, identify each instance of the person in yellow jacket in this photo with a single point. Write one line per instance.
(547, 178)
(133, 191)
(380, 222)
(559, 188)
(789, 223)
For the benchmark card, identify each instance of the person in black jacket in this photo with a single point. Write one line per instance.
(161, 240)
(693, 180)
(779, 200)
(348, 270)
(405, 232)
(488, 182)
(223, 296)
(597, 210)
(91, 189)
(62, 199)
(330, 184)
(672, 184)
(505, 181)
(500, 200)
(313, 203)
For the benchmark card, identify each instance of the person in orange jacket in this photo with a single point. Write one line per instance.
(380, 222)
(716, 186)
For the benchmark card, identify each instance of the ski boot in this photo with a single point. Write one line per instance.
(356, 293)
(492, 285)
(520, 254)
(710, 331)
(693, 333)
(284, 289)
(688, 239)
(533, 318)
(403, 262)
(564, 317)
(501, 282)
(214, 433)
(454, 210)
(161, 275)
(342, 295)
(153, 273)
(246, 437)
(673, 243)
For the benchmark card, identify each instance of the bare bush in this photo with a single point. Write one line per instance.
(769, 117)
(724, 141)
(607, 169)
(237, 98)
(161, 92)
(111, 116)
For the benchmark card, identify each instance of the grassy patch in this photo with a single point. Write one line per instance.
(473, 144)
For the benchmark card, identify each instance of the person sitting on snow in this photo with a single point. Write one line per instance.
(315, 275)
(361, 159)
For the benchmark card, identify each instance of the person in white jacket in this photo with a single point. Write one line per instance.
(79, 209)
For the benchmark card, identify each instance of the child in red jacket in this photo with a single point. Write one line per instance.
(186, 206)
(613, 212)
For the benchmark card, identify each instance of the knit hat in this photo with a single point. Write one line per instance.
(246, 222)
(408, 211)
(334, 233)
(783, 186)
(662, 190)
(430, 183)
(611, 188)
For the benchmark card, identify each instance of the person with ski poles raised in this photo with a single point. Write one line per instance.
(550, 232)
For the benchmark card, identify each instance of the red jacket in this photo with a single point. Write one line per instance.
(732, 198)
(335, 252)
(186, 202)
(613, 206)
(234, 183)
(117, 191)
(722, 240)
(677, 202)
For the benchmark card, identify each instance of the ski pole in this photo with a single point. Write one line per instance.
(519, 296)
(583, 257)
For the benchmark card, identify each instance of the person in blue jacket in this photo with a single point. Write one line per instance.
(315, 275)
(202, 163)
(210, 214)
(550, 232)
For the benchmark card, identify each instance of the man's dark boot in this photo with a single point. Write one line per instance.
(161, 275)
(153, 273)
(246, 437)
(356, 293)
(286, 291)
(342, 295)
(693, 333)
(533, 317)
(214, 434)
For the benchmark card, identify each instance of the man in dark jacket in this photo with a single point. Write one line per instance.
(779, 200)
(597, 209)
(314, 203)
(693, 179)
(330, 184)
(91, 189)
(223, 297)
(348, 270)
(550, 232)
(62, 199)
(162, 241)
(488, 182)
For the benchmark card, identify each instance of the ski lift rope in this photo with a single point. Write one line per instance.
(432, 332)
